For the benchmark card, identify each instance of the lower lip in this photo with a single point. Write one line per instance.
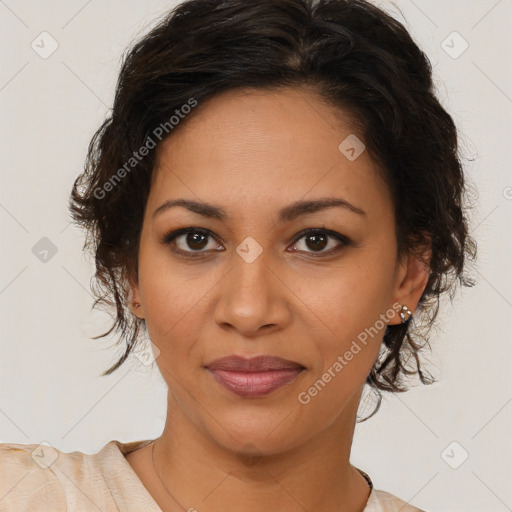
(254, 384)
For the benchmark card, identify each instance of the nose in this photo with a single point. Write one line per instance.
(252, 297)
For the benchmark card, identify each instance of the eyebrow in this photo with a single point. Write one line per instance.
(286, 214)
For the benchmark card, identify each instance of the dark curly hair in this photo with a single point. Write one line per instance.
(359, 59)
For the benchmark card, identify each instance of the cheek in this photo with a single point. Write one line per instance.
(353, 314)
(172, 311)
(168, 298)
(345, 357)
(356, 295)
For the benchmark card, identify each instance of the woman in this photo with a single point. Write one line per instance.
(276, 200)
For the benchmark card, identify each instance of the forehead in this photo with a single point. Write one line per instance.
(266, 148)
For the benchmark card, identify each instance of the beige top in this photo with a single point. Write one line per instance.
(46, 479)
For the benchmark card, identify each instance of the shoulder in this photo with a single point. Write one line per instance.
(26, 480)
(43, 478)
(382, 501)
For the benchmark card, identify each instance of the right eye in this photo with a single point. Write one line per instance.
(190, 240)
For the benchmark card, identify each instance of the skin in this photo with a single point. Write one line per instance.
(252, 153)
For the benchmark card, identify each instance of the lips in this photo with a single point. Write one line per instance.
(256, 376)
(253, 364)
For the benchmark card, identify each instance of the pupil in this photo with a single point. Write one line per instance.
(196, 240)
(319, 241)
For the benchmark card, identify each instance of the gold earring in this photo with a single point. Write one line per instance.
(405, 314)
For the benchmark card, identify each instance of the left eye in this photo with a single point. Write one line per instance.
(318, 240)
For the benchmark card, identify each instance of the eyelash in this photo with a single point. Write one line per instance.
(169, 238)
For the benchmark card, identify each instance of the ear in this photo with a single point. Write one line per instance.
(135, 303)
(411, 279)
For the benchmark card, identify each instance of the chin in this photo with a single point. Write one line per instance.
(256, 432)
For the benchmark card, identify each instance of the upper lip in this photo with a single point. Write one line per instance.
(253, 364)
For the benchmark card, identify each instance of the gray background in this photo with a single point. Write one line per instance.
(49, 385)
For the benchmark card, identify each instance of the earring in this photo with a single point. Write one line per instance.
(136, 305)
(405, 314)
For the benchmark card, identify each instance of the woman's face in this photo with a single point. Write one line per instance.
(253, 282)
